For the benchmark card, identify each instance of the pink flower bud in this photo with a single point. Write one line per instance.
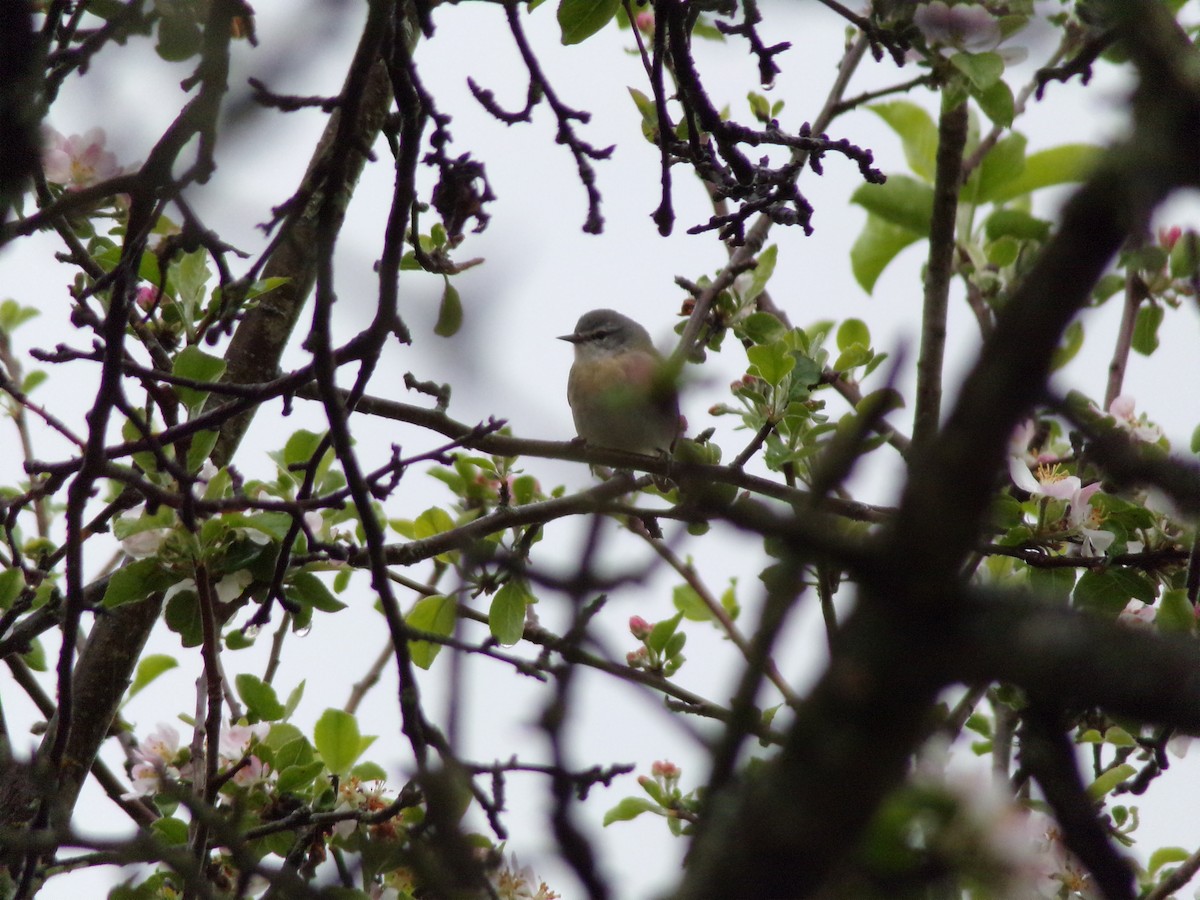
(1169, 236)
(147, 296)
(639, 627)
(645, 21)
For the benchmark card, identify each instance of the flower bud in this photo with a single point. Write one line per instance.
(639, 627)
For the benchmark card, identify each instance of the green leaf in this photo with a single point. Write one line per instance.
(1119, 737)
(12, 582)
(917, 132)
(282, 734)
(688, 602)
(771, 362)
(126, 526)
(982, 69)
(1015, 223)
(237, 639)
(1003, 163)
(450, 312)
(13, 315)
(194, 363)
(1109, 780)
(1165, 856)
(33, 380)
(662, 631)
(580, 19)
(760, 108)
(182, 616)
(1003, 252)
(150, 668)
(337, 739)
(170, 830)
(1195, 443)
(877, 245)
(307, 589)
(1109, 591)
(675, 644)
(1071, 343)
(900, 201)
(760, 328)
(853, 332)
(762, 272)
(262, 704)
(851, 358)
(199, 449)
(997, 103)
(1175, 613)
(293, 699)
(506, 617)
(136, 581)
(1053, 584)
(301, 447)
(1057, 165)
(179, 38)
(649, 114)
(627, 809)
(291, 747)
(436, 615)
(433, 521)
(35, 657)
(294, 779)
(1145, 329)
(1184, 260)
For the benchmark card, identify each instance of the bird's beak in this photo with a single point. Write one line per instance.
(571, 338)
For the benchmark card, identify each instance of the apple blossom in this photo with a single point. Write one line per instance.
(1137, 614)
(1123, 410)
(156, 757)
(78, 161)
(233, 745)
(966, 26)
(145, 542)
(512, 881)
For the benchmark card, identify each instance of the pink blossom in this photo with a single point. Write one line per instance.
(1084, 516)
(1137, 614)
(512, 881)
(1123, 409)
(78, 161)
(154, 759)
(160, 745)
(236, 740)
(315, 522)
(253, 772)
(1051, 482)
(966, 26)
(664, 768)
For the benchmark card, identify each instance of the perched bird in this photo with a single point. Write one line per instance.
(621, 398)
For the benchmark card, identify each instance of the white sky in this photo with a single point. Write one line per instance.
(541, 273)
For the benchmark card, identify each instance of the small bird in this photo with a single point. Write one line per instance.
(621, 398)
